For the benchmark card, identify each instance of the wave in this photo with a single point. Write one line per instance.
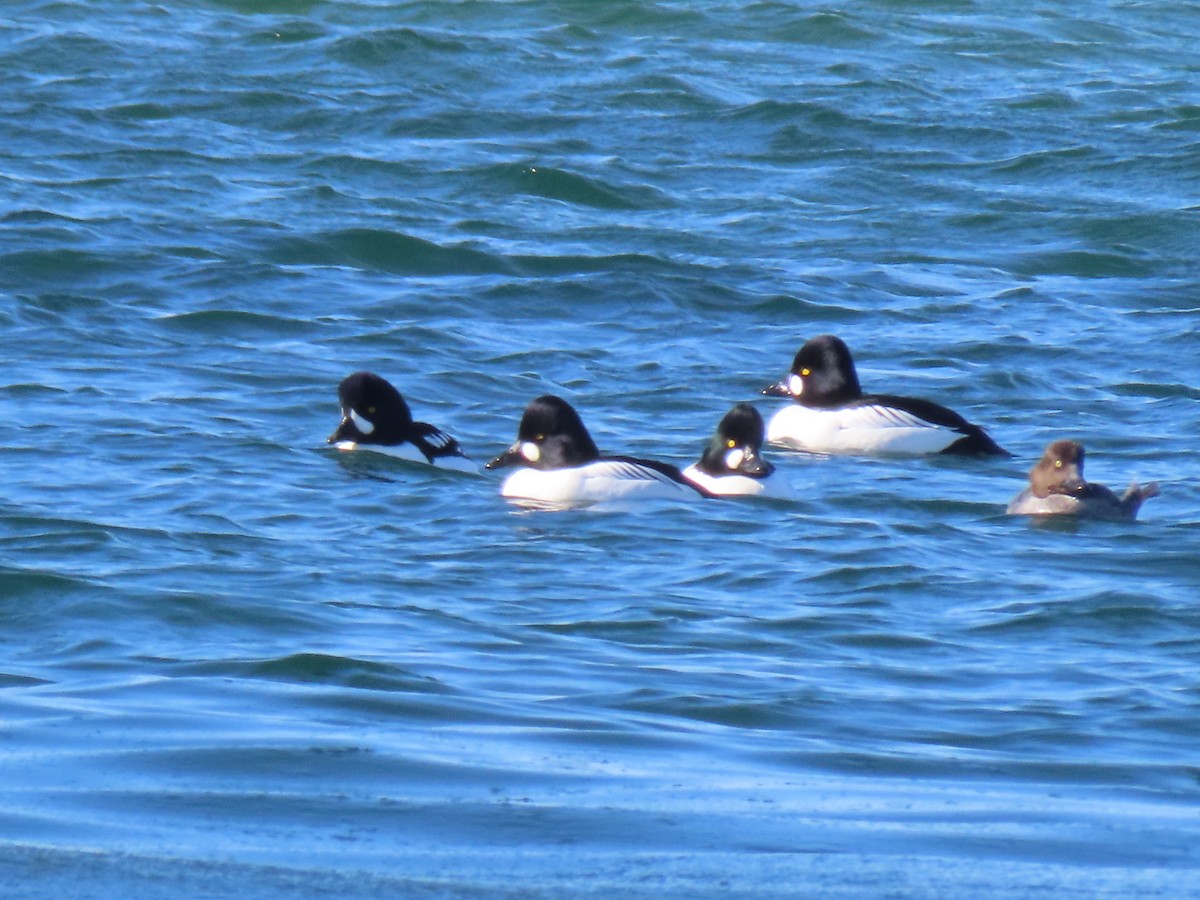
(576, 189)
(387, 251)
(237, 322)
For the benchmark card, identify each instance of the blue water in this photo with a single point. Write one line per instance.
(234, 663)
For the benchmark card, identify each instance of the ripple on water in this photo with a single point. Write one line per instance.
(235, 658)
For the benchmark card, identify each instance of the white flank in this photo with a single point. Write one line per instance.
(591, 483)
(858, 429)
(457, 464)
(774, 486)
(1027, 503)
(411, 453)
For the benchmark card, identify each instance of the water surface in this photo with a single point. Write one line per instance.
(235, 663)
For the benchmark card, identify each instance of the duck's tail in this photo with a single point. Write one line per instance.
(1135, 496)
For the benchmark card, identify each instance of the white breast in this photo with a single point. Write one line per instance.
(774, 486)
(1028, 503)
(857, 429)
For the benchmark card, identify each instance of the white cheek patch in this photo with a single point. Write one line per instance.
(734, 457)
(796, 385)
(530, 451)
(360, 423)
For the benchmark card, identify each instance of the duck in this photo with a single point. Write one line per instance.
(376, 417)
(732, 464)
(831, 414)
(1057, 488)
(558, 463)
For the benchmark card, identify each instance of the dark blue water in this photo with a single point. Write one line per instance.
(234, 663)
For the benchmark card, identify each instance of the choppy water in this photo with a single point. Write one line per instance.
(233, 663)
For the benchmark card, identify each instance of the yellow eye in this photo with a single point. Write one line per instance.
(1058, 464)
(540, 437)
(370, 410)
(731, 444)
(806, 372)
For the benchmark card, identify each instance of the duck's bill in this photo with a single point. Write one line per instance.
(344, 432)
(778, 389)
(510, 457)
(755, 466)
